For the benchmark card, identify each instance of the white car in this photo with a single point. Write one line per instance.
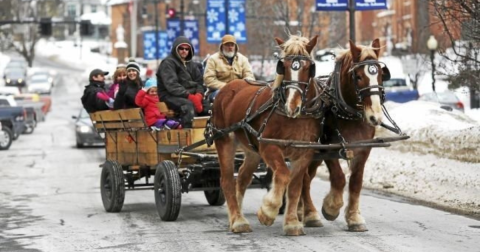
(40, 83)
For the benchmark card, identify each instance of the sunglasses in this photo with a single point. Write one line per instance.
(184, 48)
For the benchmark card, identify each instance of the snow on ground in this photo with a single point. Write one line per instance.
(439, 164)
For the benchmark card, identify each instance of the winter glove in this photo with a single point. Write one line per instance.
(110, 102)
(197, 102)
(122, 87)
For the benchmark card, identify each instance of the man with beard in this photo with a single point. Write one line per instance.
(180, 83)
(94, 92)
(226, 65)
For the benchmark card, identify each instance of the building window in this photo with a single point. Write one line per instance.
(71, 10)
(93, 8)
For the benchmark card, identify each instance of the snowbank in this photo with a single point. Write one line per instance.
(433, 130)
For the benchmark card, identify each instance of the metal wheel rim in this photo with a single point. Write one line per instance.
(6, 137)
(161, 190)
(108, 186)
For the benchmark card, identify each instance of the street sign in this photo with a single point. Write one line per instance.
(342, 5)
(362, 5)
(216, 20)
(236, 20)
(331, 5)
(191, 32)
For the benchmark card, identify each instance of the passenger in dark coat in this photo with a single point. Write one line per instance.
(129, 88)
(180, 82)
(90, 100)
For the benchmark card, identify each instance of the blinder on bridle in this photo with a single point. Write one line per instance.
(296, 58)
(295, 84)
(372, 69)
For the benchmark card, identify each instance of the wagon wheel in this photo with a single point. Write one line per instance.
(168, 191)
(7, 136)
(112, 186)
(212, 179)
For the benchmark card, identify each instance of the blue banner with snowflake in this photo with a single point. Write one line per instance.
(236, 20)
(163, 48)
(191, 32)
(216, 20)
(174, 29)
(149, 48)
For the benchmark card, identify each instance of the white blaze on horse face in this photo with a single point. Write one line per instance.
(291, 92)
(373, 114)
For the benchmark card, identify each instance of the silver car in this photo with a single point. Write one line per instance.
(84, 131)
(448, 100)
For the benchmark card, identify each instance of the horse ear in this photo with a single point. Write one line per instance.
(312, 43)
(279, 41)
(355, 51)
(376, 46)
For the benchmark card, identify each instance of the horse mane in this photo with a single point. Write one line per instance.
(295, 45)
(366, 52)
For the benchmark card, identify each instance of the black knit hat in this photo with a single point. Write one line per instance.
(133, 65)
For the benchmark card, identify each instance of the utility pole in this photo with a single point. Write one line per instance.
(351, 10)
(133, 29)
(182, 17)
(157, 56)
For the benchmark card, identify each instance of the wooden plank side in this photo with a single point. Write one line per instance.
(127, 148)
(106, 115)
(119, 125)
(147, 147)
(175, 137)
(131, 114)
(111, 146)
(200, 122)
(197, 135)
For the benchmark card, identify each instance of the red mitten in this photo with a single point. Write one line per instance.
(197, 102)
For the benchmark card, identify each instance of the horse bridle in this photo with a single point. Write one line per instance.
(366, 91)
(341, 108)
(292, 84)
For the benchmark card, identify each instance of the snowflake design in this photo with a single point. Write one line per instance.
(220, 26)
(210, 29)
(233, 16)
(231, 29)
(195, 42)
(237, 34)
(240, 26)
(216, 35)
(162, 43)
(188, 33)
(171, 33)
(212, 16)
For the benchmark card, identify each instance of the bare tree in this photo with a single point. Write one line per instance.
(462, 16)
(22, 37)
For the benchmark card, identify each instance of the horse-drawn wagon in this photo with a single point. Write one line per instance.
(138, 158)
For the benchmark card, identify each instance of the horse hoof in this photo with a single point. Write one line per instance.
(328, 216)
(294, 231)
(313, 223)
(264, 219)
(241, 228)
(357, 228)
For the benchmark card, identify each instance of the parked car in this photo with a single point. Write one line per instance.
(398, 88)
(84, 131)
(448, 100)
(28, 112)
(40, 83)
(6, 135)
(15, 77)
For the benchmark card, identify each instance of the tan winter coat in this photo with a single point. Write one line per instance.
(218, 72)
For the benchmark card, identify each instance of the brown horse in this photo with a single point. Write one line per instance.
(359, 92)
(274, 112)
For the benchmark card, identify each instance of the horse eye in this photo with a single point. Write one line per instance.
(359, 77)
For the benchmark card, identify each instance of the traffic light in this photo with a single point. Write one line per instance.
(86, 28)
(46, 27)
(171, 12)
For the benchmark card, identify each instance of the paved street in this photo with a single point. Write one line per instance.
(50, 201)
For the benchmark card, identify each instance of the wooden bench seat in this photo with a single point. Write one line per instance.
(123, 119)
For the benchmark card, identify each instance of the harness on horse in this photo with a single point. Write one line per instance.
(328, 98)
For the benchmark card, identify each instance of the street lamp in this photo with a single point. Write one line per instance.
(432, 45)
